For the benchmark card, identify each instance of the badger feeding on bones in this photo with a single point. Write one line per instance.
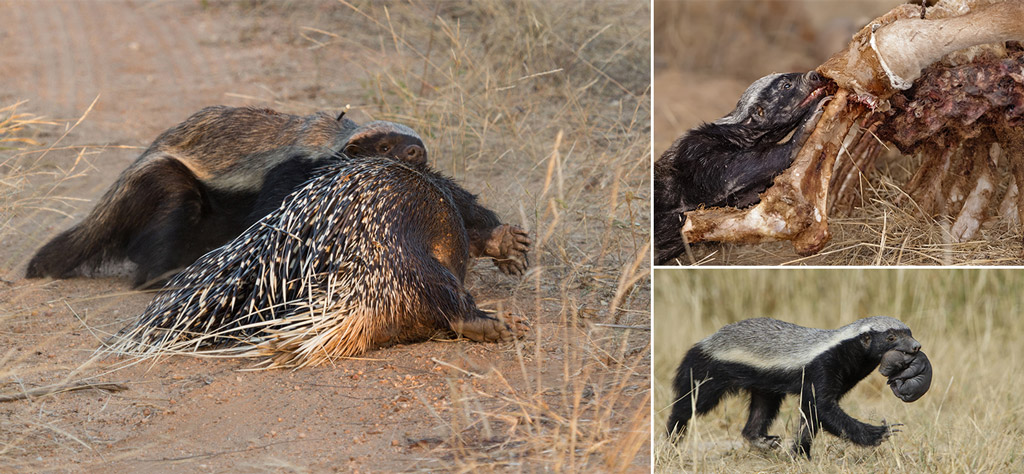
(768, 359)
(204, 181)
(730, 161)
(368, 253)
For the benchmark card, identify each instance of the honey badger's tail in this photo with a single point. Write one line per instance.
(126, 222)
(62, 255)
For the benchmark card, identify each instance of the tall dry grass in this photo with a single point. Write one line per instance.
(967, 320)
(18, 138)
(29, 179)
(547, 104)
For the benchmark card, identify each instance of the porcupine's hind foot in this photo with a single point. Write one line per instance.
(508, 246)
(486, 328)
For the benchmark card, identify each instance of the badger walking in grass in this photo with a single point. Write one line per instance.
(368, 253)
(730, 161)
(203, 182)
(769, 359)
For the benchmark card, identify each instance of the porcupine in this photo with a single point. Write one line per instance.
(368, 253)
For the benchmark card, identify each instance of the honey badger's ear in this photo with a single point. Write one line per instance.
(865, 339)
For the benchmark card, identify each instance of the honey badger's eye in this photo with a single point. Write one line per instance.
(786, 85)
(760, 112)
(384, 148)
(892, 338)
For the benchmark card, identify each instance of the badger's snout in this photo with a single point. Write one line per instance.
(814, 79)
(414, 154)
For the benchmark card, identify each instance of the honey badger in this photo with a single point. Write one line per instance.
(730, 161)
(769, 358)
(204, 181)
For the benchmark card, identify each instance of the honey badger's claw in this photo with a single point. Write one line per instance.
(486, 328)
(766, 443)
(890, 429)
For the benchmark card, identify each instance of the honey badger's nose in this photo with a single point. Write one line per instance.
(415, 154)
(909, 346)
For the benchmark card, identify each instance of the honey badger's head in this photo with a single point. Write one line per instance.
(773, 106)
(899, 356)
(388, 139)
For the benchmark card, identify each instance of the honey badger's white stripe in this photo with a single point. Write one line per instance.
(777, 345)
(747, 100)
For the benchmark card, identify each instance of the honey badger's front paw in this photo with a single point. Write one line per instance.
(486, 328)
(804, 132)
(878, 434)
(766, 443)
(508, 246)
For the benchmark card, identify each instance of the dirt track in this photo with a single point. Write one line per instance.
(151, 65)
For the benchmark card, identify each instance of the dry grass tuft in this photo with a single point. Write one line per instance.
(18, 138)
(29, 181)
(967, 320)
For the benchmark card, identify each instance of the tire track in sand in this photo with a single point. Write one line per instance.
(46, 79)
(96, 60)
(60, 47)
(188, 78)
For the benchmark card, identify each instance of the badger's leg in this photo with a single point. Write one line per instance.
(102, 235)
(142, 217)
(682, 407)
(808, 426)
(752, 171)
(281, 181)
(167, 240)
(759, 167)
(707, 387)
(837, 422)
(507, 245)
(824, 411)
(668, 240)
(764, 407)
(66, 252)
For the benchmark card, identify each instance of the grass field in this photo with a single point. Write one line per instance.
(970, 325)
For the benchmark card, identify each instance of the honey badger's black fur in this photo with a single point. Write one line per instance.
(770, 359)
(202, 182)
(730, 161)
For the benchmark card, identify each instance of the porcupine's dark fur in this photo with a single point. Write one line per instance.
(368, 253)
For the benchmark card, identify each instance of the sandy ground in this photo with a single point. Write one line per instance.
(147, 66)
